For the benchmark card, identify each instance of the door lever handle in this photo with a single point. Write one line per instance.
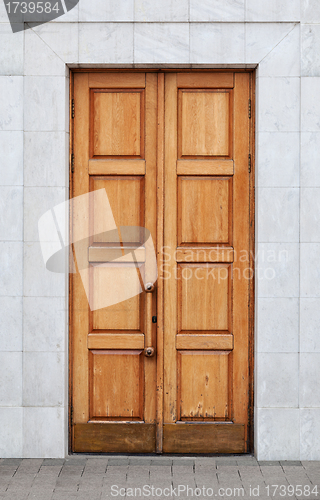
(149, 350)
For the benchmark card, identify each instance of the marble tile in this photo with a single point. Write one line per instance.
(11, 268)
(70, 17)
(218, 43)
(37, 441)
(310, 159)
(277, 158)
(310, 215)
(45, 159)
(11, 215)
(11, 56)
(284, 59)
(309, 380)
(102, 11)
(277, 325)
(44, 324)
(273, 10)
(277, 270)
(309, 270)
(61, 38)
(310, 50)
(161, 43)
(262, 39)
(39, 58)
(11, 166)
(309, 325)
(37, 201)
(214, 10)
(10, 379)
(11, 103)
(310, 434)
(278, 215)
(44, 103)
(278, 432)
(3, 14)
(38, 281)
(279, 104)
(11, 432)
(310, 106)
(310, 11)
(277, 380)
(11, 324)
(110, 43)
(161, 11)
(43, 379)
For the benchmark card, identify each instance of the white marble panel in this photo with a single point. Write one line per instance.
(37, 201)
(38, 281)
(11, 215)
(277, 380)
(310, 434)
(269, 41)
(273, 10)
(277, 325)
(310, 11)
(215, 10)
(277, 270)
(37, 441)
(310, 215)
(278, 159)
(310, 159)
(310, 50)
(11, 103)
(278, 433)
(11, 324)
(309, 380)
(110, 43)
(11, 432)
(309, 270)
(309, 325)
(3, 13)
(161, 43)
(11, 166)
(102, 11)
(279, 104)
(45, 98)
(11, 55)
(70, 17)
(61, 38)
(284, 59)
(278, 214)
(310, 105)
(43, 379)
(218, 43)
(11, 268)
(161, 11)
(39, 58)
(10, 379)
(44, 324)
(45, 158)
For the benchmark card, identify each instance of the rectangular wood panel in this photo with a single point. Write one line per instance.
(114, 438)
(117, 167)
(115, 340)
(120, 254)
(219, 341)
(198, 254)
(203, 438)
(205, 167)
(112, 80)
(205, 80)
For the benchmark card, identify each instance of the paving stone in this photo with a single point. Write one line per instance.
(161, 463)
(53, 461)
(268, 463)
(114, 462)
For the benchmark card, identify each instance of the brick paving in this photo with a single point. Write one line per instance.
(157, 478)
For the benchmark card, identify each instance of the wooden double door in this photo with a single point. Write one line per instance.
(161, 292)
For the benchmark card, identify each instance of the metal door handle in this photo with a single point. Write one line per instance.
(148, 349)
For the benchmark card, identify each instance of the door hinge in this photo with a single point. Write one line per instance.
(249, 109)
(72, 108)
(71, 414)
(72, 163)
(249, 164)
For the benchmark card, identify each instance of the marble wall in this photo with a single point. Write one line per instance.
(281, 38)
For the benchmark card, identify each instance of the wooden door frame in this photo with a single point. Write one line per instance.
(160, 237)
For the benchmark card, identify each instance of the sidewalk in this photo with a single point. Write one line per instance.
(156, 477)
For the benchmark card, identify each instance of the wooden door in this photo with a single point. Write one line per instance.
(169, 152)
